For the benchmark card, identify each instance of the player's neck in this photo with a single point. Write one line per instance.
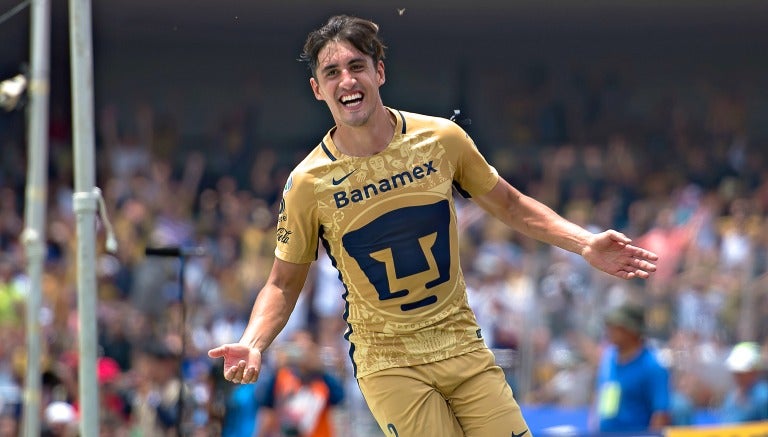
(368, 139)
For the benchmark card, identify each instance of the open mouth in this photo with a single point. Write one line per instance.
(351, 100)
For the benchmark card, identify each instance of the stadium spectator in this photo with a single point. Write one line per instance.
(60, 420)
(298, 398)
(633, 387)
(748, 399)
(9, 423)
(156, 389)
(242, 411)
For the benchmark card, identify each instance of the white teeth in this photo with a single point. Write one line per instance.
(346, 99)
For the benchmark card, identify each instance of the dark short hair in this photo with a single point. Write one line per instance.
(362, 34)
(158, 349)
(629, 316)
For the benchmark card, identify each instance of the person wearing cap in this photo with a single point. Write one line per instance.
(112, 397)
(60, 420)
(633, 386)
(748, 399)
(156, 401)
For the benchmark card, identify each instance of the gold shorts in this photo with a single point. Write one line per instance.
(463, 396)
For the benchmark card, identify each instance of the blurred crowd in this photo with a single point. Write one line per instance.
(686, 179)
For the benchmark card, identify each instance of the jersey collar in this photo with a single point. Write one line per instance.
(333, 152)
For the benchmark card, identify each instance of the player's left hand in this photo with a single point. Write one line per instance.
(613, 253)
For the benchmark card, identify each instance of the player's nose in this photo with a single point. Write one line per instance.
(347, 79)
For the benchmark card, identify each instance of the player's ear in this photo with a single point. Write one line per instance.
(315, 88)
(380, 72)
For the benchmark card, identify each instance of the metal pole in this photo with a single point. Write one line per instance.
(35, 204)
(183, 254)
(85, 202)
(182, 354)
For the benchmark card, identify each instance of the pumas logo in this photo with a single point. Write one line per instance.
(410, 256)
(342, 198)
(335, 181)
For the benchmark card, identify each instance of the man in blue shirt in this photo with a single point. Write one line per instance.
(633, 387)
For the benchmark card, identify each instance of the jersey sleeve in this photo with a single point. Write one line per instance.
(297, 222)
(473, 175)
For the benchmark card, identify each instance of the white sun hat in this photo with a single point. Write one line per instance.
(745, 357)
(60, 413)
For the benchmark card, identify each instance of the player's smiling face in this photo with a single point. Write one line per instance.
(348, 81)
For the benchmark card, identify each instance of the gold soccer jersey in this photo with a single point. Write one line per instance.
(389, 225)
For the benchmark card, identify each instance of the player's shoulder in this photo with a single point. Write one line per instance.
(452, 136)
(312, 166)
(419, 122)
(316, 158)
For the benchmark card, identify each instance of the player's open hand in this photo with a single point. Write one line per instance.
(611, 252)
(241, 363)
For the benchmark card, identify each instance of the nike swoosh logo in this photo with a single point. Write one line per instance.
(343, 178)
(519, 435)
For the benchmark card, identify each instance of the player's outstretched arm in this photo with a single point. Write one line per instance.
(609, 251)
(273, 306)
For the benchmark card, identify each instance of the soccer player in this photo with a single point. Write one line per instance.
(378, 192)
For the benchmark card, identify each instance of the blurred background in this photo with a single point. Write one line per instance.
(647, 117)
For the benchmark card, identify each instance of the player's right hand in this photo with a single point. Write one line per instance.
(241, 363)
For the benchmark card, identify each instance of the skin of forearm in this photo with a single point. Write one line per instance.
(269, 315)
(534, 219)
(538, 221)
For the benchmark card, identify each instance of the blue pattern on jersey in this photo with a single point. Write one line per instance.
(400, 244)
